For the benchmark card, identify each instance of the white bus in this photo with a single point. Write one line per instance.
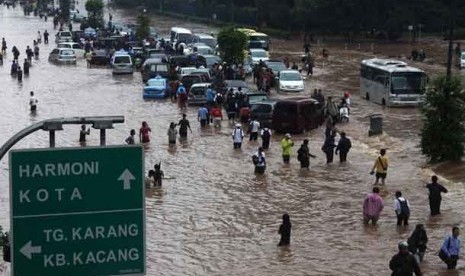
(392, 82)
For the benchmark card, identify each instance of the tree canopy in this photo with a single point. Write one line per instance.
(232, 44)
(95, 10)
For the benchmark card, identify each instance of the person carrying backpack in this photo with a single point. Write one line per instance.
(402, 208)
(450, 249)
(266, 136)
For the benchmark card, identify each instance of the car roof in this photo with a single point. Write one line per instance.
(153, 61)
(266, 102)
(297, 99)
(257, 50)
(200, 35)
(273, 60)
(68, 43)
(181, 30)
(289, 71)
(203, 84)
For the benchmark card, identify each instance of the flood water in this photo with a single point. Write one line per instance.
(214, 216)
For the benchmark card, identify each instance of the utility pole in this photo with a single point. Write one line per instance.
(452, 12)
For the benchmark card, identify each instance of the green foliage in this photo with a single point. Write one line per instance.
(143, 27)
(232, 45)
(443, 132)
(95, 10)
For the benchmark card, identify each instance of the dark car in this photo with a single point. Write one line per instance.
(263, 112)
(181, 61)
(235, 84)
(210, 60)
(256, 96)
(153, 67)
(275, 65)
(100, 57)
(189, 80)
(296, 115)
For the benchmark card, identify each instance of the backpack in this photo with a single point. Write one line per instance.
(266, 134)
(300, 155)
(404, 209)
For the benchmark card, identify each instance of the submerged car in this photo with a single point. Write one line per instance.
(63, 56)
(198, 94)
(156, 88)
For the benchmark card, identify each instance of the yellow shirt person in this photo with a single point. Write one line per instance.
(380, 167)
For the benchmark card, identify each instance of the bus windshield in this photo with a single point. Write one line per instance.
(407, 83)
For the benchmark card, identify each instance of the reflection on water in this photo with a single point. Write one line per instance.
(213, 215)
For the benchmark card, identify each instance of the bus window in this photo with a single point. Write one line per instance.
(407, 83)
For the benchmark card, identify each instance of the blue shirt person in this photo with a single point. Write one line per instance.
(203, 116)
(450, 249)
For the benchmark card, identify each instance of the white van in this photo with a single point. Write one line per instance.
(181, 35)
(122, 63)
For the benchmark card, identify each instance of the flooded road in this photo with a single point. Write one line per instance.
(213, 216)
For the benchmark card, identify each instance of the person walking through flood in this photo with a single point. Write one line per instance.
(328, 148)
(417, 242)
(372, 207)
(216, 115)
(259, 161)
(402, 209)
(144, 136)
(450, 249)
(238, 136)
(130, 140)
(172, 134)
(380, 167)
(19, 74)
(26, 66)
(46, 34)
(158, 175)
(343, 147)
(83, 133)
(435, 190)
(4, 47)
(286, 145)
(331, 109)
(303, 155)
(183, 126)
(202, 116)
(285, 231)
(266, 136)
(403, 263)
(33, 102)
(254, 127)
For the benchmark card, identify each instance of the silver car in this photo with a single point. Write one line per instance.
(62, 55)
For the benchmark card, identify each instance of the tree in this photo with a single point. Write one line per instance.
(143, 26)
(95, 10)
(232, 44)
(443, 132)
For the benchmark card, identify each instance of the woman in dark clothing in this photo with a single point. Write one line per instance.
(435, 190)
(303, 155)
(417, 242)
(285, 231)
(328, 148)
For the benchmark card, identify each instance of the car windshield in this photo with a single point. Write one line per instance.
(257, 98)
(276, 66)
(235, 83)
(212, 60)
(158, 68)
(204, 50)
(208, 41)
(122, 59)
(259, 54)
(156, 82)
(261, 108)
(187, 71)
(184, 37)
(198, 91)
(407, 83)
(64, 46)
(67, 52)
(291, 76)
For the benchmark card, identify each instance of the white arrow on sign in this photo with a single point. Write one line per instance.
(27, 250)
(126, 177)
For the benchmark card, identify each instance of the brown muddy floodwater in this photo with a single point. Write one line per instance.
(214, 216)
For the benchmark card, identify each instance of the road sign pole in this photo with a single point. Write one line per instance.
(102, 137)
(52, 138)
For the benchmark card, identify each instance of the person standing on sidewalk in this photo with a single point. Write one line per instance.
(435, 190)
(380, 167)
(372, 207)
(402, 208)
(286, 145)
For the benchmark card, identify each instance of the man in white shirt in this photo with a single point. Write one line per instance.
(238, 136)
(253, 129)
(259, 161)
(33, 102)
(402, 208)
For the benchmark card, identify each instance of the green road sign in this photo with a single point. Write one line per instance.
(77, 211)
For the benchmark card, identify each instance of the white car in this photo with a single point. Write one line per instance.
(64, 36)
(462, 60)
(202, 50)
(255, 55)
(184, 71)
(290, 81)
(78, 50)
